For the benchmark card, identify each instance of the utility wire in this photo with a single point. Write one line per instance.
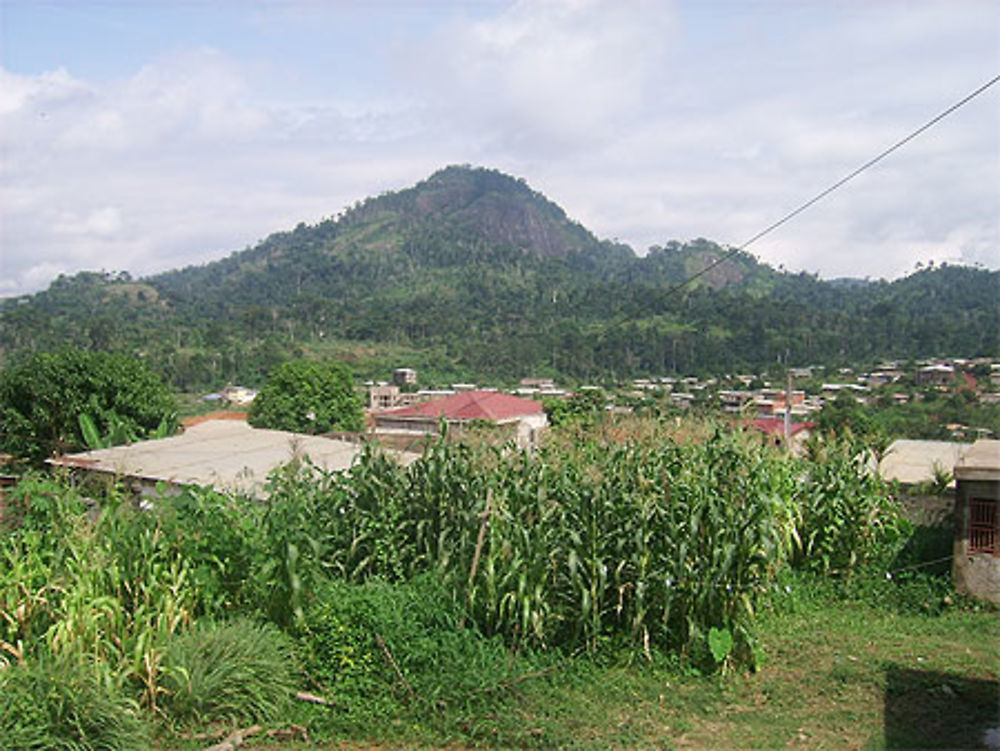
(820, 196)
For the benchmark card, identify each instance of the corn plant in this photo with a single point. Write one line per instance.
(651, 541)
(849, 518)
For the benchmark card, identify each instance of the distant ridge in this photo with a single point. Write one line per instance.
(473, 274)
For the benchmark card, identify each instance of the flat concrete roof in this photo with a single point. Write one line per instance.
(228, 455)
(981, 462)
(911, 462)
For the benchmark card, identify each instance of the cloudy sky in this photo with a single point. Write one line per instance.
(144, 135)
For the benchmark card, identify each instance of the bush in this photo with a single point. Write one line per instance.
(43, 397)
(51, 703)
(218, 537)
(239, 672)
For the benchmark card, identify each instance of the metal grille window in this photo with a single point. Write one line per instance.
(983, 530)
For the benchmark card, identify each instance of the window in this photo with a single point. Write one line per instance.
(983, 531)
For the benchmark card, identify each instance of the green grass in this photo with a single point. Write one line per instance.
(837, 675)
(63, 704)
(230, 672)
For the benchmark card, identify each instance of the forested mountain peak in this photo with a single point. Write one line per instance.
(460, 218)
(473, 273)
(497, 208)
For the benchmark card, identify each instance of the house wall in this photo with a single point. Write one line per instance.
(526, 429)
(411, 424)
(529, 429)
(977, 574)
(383, 397)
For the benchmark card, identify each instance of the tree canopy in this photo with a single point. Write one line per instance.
(308, 397)
(44, 396)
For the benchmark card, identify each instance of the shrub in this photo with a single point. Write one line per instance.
(49, 703)
(218, 537)
(239, 672)
(381, 648)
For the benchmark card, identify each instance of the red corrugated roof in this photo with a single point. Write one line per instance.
(472, 405)
(224, 414)
(776, 425)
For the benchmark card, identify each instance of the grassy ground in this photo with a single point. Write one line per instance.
(845, 677)
(835, 676)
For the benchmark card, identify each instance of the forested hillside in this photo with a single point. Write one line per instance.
(474, 270)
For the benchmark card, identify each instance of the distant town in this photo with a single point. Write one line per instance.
(800, 394)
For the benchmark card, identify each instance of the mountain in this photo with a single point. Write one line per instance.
(472, 273)
(457, 217)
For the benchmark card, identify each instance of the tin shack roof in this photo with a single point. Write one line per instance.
(225, 454)
(912, 462)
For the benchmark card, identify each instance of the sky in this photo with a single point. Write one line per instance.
(143, 135)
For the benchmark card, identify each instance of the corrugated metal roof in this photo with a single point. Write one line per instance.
(225, 454)
(471, 405)
(911, 462)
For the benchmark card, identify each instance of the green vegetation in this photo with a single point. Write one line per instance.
(232, 672)
(471, 274)
(60, 402)
(49, 703)
(482, 596)
(308, 397)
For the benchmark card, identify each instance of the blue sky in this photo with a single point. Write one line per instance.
(144, 135)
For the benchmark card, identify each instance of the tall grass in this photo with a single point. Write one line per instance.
(227, 672)
(63, 703)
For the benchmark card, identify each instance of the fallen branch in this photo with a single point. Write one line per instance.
(235, 739)
(395, 667)
(290, 733)
(512, 682)
(312, 698)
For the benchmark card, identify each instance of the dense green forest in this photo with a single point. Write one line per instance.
(472, 273)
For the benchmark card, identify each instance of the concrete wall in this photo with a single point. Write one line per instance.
(977, 574)
(526, 430)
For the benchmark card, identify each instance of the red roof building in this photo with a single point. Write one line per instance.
(471, 405)
(775, 426)
(773, 429)
(463, 408)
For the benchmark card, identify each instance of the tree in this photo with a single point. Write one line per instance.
(844, 415)
(44, 397)
(308, 397)
(584, 408)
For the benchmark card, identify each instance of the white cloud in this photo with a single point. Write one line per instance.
(546, 75)
(645, 120)
(103, 222)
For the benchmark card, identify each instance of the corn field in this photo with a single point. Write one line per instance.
(650, 544)
(603, 542)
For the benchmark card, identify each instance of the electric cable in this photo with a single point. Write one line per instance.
(823, 194)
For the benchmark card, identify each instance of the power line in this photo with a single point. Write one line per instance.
(820, 196)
